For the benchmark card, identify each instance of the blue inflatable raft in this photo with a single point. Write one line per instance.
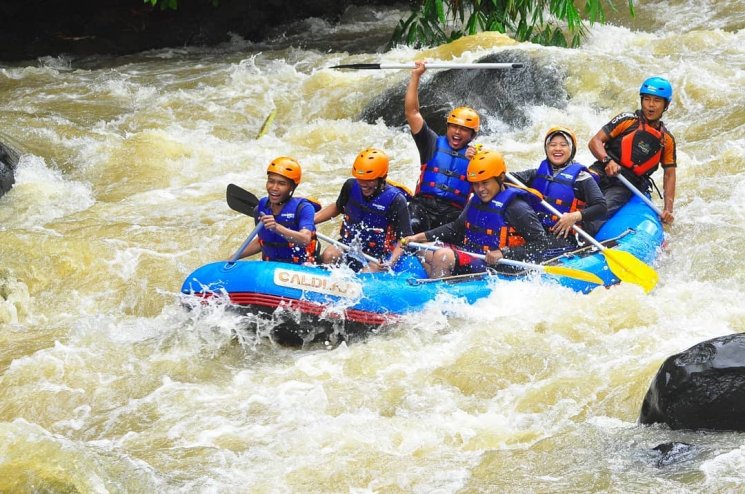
(311, 302)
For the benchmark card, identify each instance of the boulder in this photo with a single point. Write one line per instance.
(700, 388)
(500, 96)
(8, 163)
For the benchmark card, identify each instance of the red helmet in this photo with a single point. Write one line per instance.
(287, 167)
(370, 164)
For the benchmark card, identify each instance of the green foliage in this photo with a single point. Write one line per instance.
(164, 4)
(434, 22)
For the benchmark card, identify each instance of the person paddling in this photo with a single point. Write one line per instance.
(565, 184)
(375, 214)
(442, 189)
(635, 144)
(288, 230)
(498, 222)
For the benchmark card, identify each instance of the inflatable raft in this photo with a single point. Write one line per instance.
(304, 303)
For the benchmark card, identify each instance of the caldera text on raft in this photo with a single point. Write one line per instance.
(316, 283)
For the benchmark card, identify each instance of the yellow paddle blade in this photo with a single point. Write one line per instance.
(629, 269)
(267, 122)
(577, 274)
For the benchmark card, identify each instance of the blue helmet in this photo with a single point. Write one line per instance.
(657, 86)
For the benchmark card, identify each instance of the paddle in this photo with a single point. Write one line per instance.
(433, 65)
(267, 122)
(627, 267)
(577, 274)
(245, 202)
(639, 194)
(344, 247)
(242, 201)
(250, 237)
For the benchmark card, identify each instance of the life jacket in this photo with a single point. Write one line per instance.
(486, 228)
(275, 247)
(408, 195)
(639, 148)
(365, 220)
(558, 190)
(444, 175)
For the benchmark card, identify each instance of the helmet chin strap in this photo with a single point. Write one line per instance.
(282, 203)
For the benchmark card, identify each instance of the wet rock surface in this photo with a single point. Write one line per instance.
(501, 94)
(700, 388)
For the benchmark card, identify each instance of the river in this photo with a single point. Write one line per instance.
(108, 385)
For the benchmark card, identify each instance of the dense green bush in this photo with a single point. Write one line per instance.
(164, 4)
(433, 22)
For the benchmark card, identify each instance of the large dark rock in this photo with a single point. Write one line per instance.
(499, 95)
(32, 29)
(8, 163)
(700, 388)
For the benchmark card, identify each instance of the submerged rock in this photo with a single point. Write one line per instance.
(700, 388)
(498, 95)
(8, 163)
(673, 452)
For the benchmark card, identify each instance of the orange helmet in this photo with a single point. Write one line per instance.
(466, 117)
(370, 164)
(485, 164)
(568, 135)
(287, 167)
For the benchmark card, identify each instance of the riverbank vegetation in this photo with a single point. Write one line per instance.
(546, 22)
(434, 22)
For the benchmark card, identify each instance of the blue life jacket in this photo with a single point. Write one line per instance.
(275, 247)
(444, 176)
(557, 190)
(486, 227)
(366, 220)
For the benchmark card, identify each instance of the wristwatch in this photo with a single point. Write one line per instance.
(606, 160)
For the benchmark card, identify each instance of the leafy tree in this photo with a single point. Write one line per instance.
(434, 22)
(164, 4)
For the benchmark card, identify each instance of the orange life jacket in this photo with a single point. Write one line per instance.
(640, 149)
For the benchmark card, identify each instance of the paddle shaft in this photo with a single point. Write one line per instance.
(433, 65)
(343, 247)
(639, 194)
(508, 262)
(576, 274)
(248, 240)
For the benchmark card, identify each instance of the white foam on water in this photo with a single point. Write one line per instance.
(46, 194)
